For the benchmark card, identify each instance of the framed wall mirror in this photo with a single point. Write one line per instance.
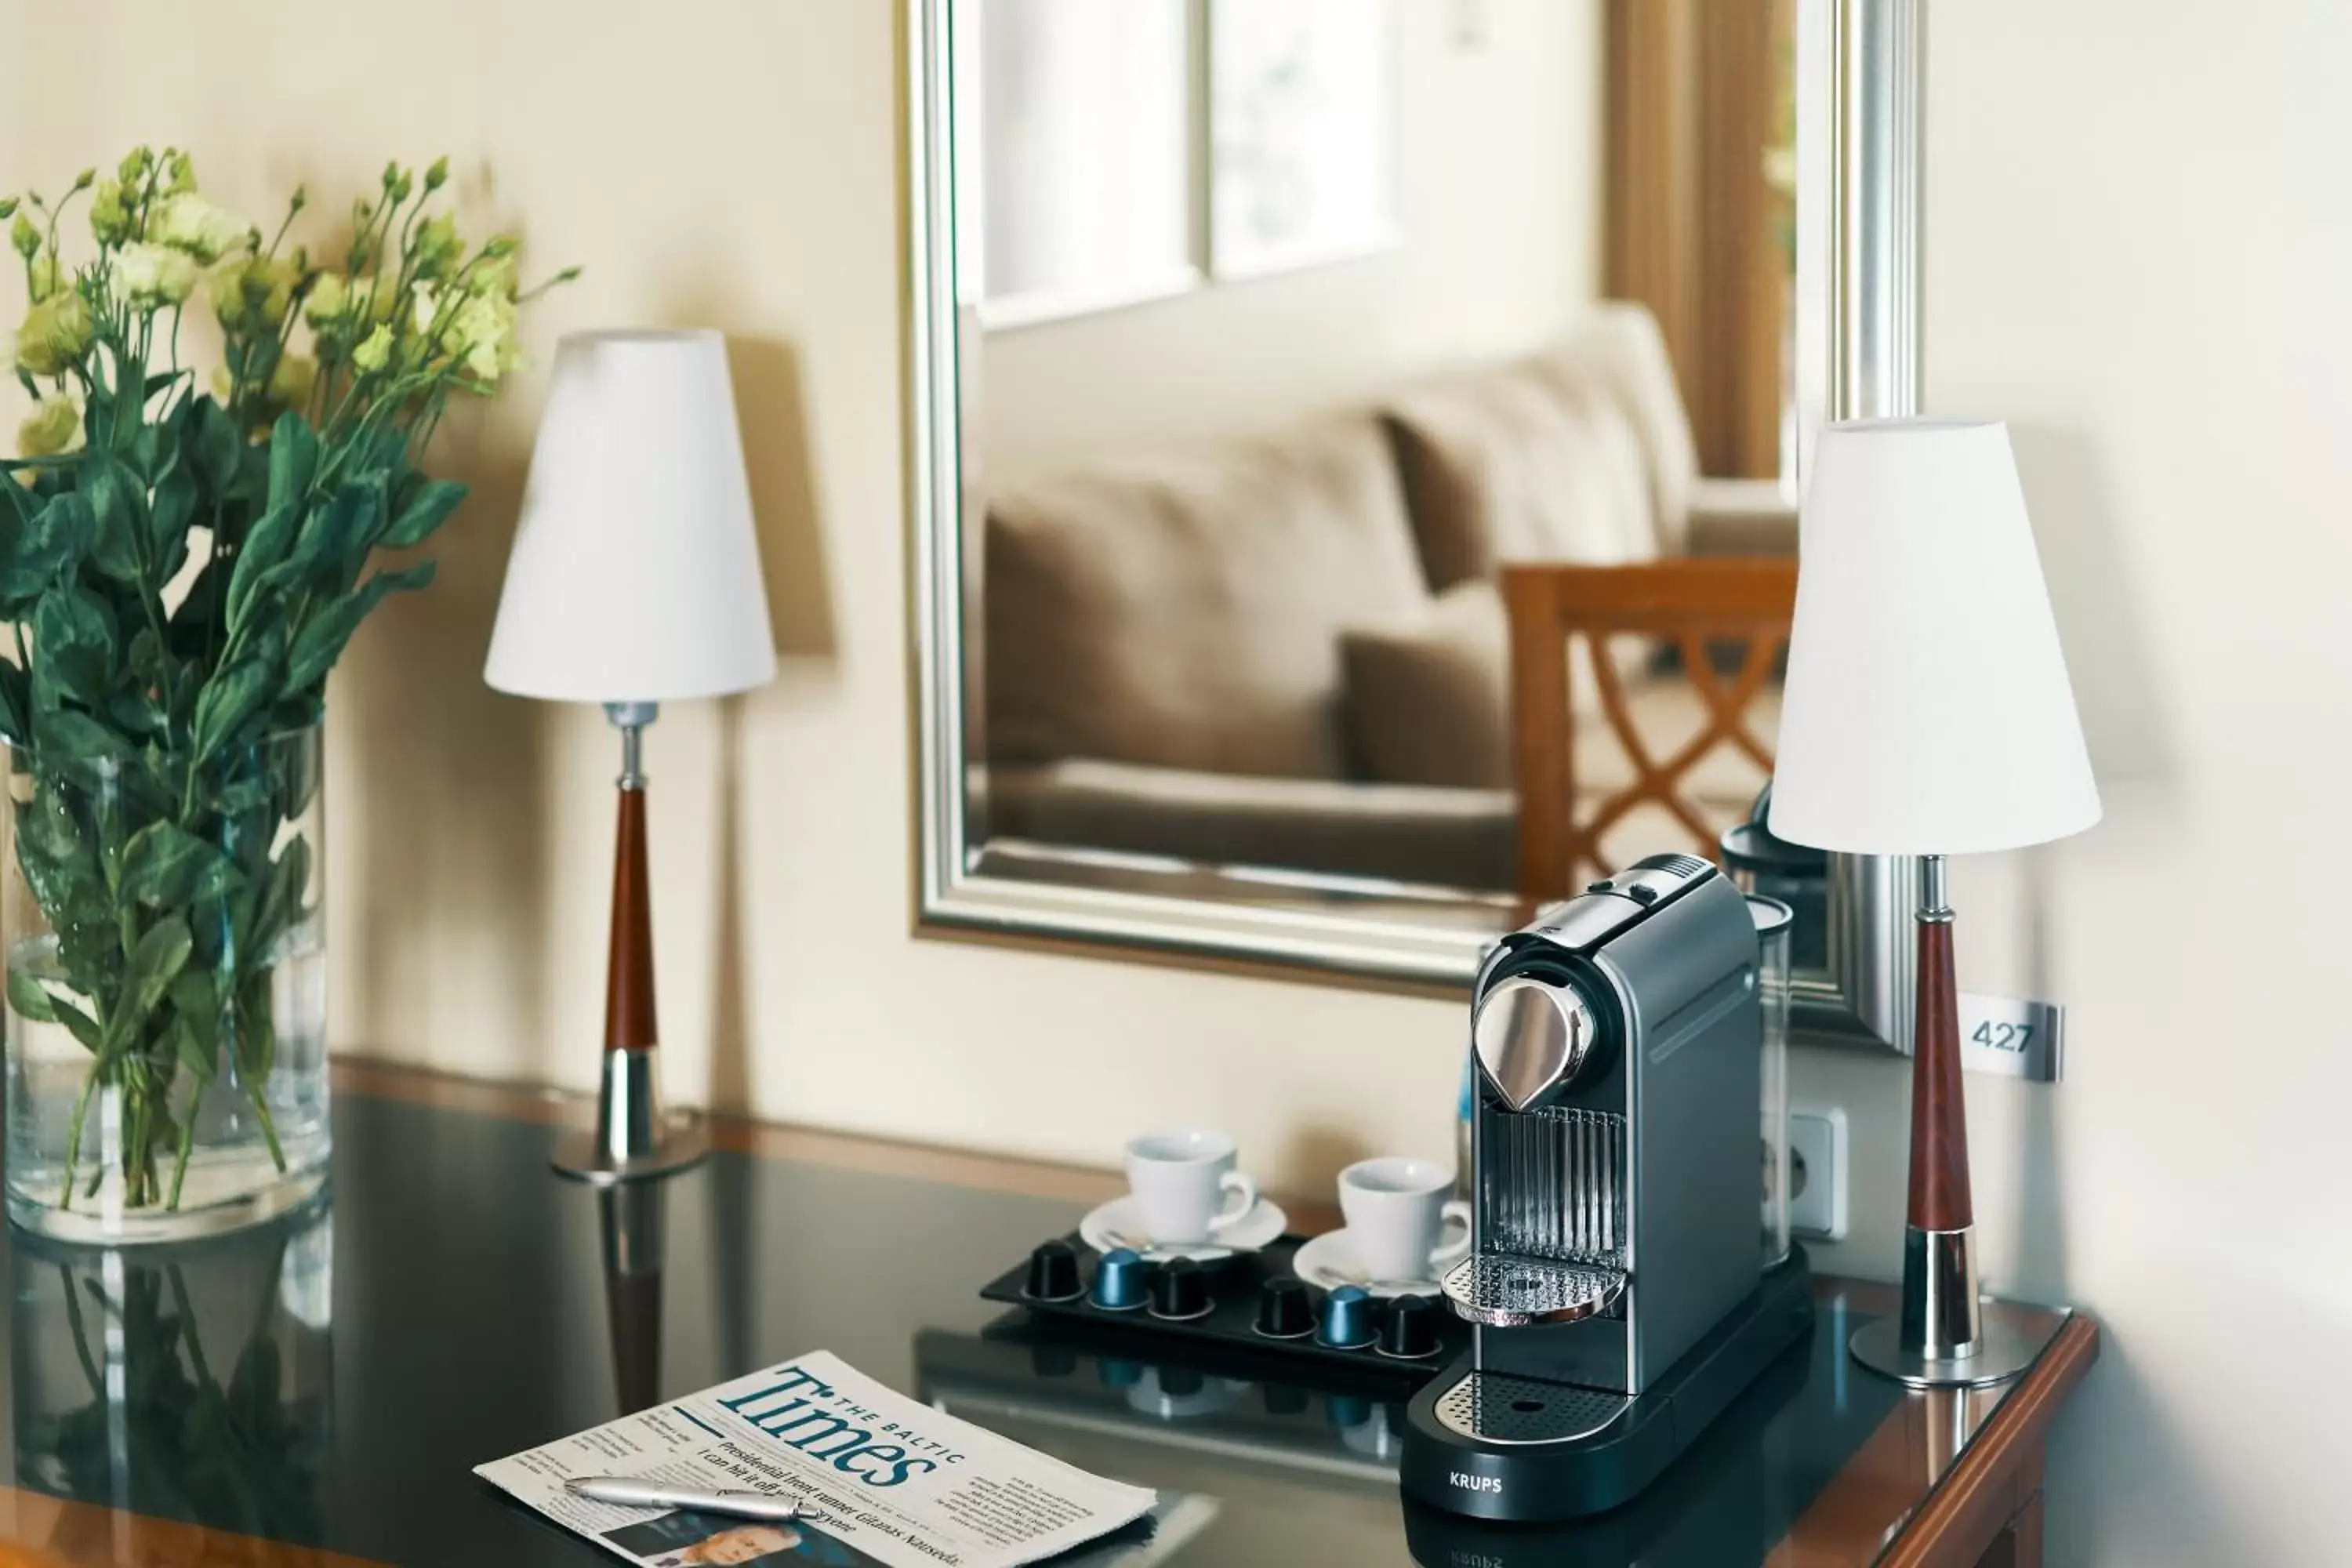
(1271, 362)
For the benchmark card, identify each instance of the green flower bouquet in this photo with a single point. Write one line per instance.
(183, 562)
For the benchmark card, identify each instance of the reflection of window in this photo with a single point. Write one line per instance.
(1299, 93)
(1073, 127)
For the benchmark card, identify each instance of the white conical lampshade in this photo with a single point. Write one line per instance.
(1928, 709)
(635, 572)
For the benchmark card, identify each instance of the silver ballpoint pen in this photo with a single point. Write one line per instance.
(626, 1493)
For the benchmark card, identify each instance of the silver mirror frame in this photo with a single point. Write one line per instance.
(1859, 85)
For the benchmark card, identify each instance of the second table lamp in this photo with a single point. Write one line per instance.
(634, 581)
(1927, 712)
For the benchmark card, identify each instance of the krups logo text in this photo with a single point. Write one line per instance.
(1470, 1483)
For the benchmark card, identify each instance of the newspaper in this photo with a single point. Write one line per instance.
(880, 1478)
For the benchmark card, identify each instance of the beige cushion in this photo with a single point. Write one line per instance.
(1618, 346)
(1429, 700)
(1186, 611)
(1508, 464)
(1428, 703)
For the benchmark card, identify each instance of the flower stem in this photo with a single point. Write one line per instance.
(73, 1133)
(187, 1145)
(256, 1092)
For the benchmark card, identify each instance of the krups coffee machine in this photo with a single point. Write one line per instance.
(1620, 1294)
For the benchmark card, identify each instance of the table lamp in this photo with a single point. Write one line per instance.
(634, 581)
(1927, 712)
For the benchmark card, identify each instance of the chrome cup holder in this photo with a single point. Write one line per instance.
(1502, 1291)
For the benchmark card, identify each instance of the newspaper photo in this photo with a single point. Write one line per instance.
(880, 1479)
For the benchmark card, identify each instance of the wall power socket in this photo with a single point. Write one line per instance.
(1817, 1177)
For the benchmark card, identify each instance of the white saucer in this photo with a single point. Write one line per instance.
(1117, 1224)
(1329, 1261)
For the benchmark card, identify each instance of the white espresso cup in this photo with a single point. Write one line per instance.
(1397, 1211)
(1186, 1189)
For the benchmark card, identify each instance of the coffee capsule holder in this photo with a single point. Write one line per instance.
(1250, 1310)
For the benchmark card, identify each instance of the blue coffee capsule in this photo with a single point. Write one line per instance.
(1347, 1318)
(1119, 1283)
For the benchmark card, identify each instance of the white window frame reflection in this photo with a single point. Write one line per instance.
(1127, 73)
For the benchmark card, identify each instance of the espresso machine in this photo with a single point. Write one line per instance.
(1619, 1294)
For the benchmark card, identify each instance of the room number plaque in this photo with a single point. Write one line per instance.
(2012, 1037)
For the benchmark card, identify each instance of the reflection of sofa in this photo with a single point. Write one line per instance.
(1289, 651)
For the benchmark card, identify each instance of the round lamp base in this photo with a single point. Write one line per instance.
(2002, 1353)
(684, 1143)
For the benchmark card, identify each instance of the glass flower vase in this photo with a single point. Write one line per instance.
(166, 990)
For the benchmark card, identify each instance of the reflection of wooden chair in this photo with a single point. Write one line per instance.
(1697, 605)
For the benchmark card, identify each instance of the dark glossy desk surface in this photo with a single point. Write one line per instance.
(456, 1304)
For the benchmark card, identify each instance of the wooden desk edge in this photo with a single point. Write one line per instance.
(1998, 1475)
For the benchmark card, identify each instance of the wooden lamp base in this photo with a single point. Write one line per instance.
(1940, 1340)
(633, 1138)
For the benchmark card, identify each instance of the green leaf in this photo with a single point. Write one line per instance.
(424, 512)
(282, 897)
(166, 866)
(335, 536)
(119, 503)
(19, 512)
(30, 998)
(80, 1025)
(235, 694)
(383, 450)
(153, 964)
(65, 737)
(293, 461)
(36, 1003)
(196, 1008)
(194, 995)
(58, 862)
(146, 657)
(62, 537)
(241, 793)
(281, 579)
(54, 539)
(265, 546)
(74, 632)
(197, 1055)
(169, 512)
(135, 713)
(89, 948)
(257, 1044)
(323, 641)
(147, 449)
(216, 445)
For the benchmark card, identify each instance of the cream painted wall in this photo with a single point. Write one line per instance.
(2138, 234)
(1498, 213)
